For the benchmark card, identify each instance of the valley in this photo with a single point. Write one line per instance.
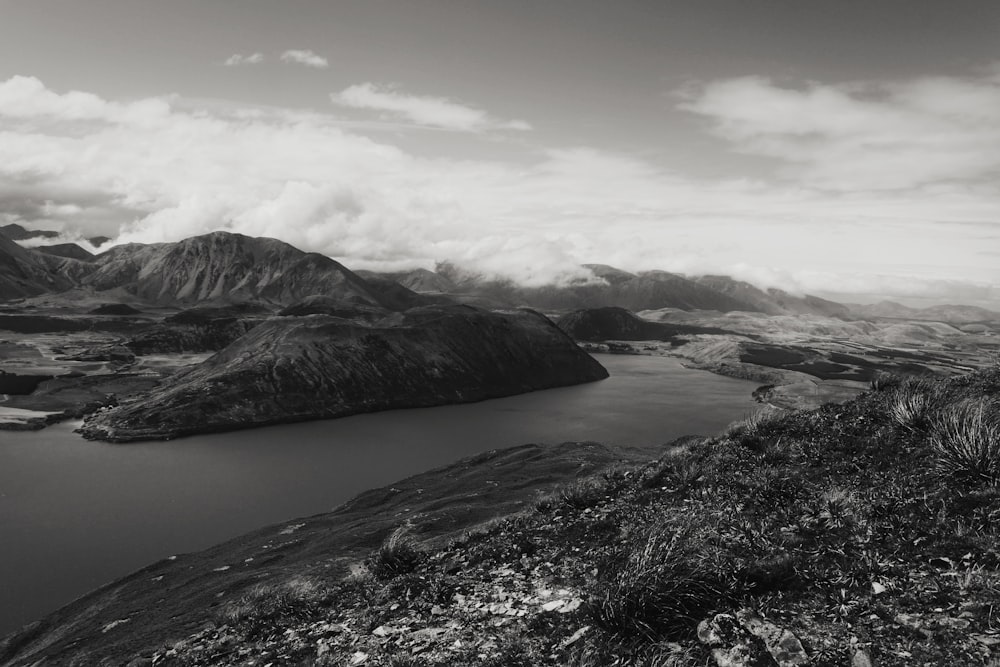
(187, 341)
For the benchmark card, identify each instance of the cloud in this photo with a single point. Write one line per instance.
(436, 112)
(862, 136)
(304, 57)
(239, 59)
(161, 169)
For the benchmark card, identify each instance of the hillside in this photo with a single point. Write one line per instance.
(291, 369)
(855, 534)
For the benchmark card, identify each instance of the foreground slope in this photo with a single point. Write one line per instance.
(166, 601)
(314, 367)
(855, 534)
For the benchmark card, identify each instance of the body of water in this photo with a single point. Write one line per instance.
(76, 514)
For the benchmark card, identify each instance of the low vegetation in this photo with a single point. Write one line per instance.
(856, 534)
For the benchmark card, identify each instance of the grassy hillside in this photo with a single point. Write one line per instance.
(855, 534)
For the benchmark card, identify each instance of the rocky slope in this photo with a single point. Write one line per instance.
(299, 368)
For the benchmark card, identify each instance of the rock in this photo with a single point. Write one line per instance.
(860, 659)
(291, 369)
(575, 636)
(746, 639)
(784, 647)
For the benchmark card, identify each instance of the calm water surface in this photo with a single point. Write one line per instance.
(76, 514)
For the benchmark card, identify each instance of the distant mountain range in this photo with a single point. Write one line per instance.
(226, 267)
(216, 267)
(16, 232)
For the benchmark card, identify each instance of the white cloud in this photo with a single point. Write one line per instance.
(162, 169)
(436, 112)
(239, 59)
(304, 57)
(862, 136)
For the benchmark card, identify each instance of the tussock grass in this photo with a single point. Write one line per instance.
(582, 494)
(398, 555)
(292, 598)
(883, 381)
(753, 431)
(658, 587)
(577, 495)
(965, 438)
(914, 403)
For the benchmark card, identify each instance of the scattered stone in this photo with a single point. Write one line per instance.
(860, 659)
(114, 624)
(575, 636)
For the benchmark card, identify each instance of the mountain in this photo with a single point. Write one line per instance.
(16, 232)
(642, 291)
(291, 369)
(612, 323)
(67, 250)
(418, 280)
(221, 266)
(773, 301)
(947, 313)
(24, 273)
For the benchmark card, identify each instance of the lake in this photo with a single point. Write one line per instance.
(76, 514)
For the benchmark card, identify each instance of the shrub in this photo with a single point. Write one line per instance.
(661, 587)
(966, 439)
(398, 555)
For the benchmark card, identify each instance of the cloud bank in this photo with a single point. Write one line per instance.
(862, 136)
(435, 112)
(304, 57)
(161, 169)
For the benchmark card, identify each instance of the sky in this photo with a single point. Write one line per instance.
(847, 148)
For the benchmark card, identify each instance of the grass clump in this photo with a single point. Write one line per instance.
(754, 431)
(659, 586)
(398, 555)
(298, 597)
(965, 438)
(914, 403)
